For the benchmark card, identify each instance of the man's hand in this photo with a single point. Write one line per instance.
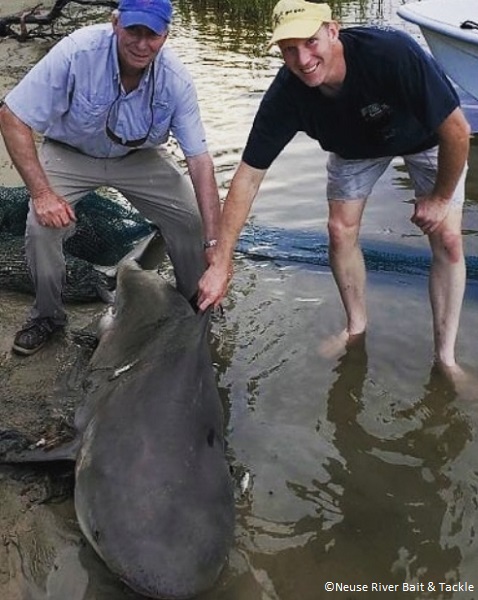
(429, 213)
(213, 286)
(52, 210)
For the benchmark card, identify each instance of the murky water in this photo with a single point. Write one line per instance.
(363, 469)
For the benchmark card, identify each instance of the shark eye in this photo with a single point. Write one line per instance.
(210, 437)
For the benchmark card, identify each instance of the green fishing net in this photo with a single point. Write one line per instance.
(106, 230)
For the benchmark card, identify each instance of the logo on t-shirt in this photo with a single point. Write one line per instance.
(378, 117)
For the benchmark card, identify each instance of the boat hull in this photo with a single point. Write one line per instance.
(458, 58)
(456, 49)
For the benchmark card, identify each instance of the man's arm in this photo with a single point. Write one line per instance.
(201, 170)
(21, 147)
(453, 148)
(51, 210)
(244, 187)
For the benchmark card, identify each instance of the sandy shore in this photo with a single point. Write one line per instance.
(15, 59)
(34, 537)
(12, 7)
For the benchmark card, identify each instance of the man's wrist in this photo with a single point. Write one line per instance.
(210, 243)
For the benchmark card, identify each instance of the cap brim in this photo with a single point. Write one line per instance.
(131, 18)
(295, 30)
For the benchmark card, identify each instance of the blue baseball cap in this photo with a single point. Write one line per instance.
(154, 14)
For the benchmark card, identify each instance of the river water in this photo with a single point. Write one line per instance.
(363, 468)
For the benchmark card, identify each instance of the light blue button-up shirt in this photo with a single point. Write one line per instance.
(68, 94)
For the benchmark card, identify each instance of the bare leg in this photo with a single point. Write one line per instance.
(346, 260)
(348, 268)
(447, 285)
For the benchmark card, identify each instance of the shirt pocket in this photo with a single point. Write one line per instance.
(162, 118)
(87, 116)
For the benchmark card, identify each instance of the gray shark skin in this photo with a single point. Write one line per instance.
(153, 491)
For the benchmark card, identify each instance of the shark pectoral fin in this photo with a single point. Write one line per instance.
(15, 448)
(149, 253)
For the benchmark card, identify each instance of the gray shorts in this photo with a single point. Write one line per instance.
(355, 179)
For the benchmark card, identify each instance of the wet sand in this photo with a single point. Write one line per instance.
(12, 7)
(40, 537)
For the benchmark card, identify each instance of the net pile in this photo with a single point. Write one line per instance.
(105, 231)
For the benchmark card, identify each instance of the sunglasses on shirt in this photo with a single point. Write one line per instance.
(116, 138)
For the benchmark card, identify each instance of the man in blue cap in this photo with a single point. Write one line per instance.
(106, 99)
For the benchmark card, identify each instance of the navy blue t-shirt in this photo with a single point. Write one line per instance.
(393, 99)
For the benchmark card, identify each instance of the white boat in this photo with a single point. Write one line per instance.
(453, 46)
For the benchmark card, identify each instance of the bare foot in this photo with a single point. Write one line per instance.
(336, 345)
(464, 381)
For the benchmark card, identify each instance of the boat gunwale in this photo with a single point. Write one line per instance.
(427, 21)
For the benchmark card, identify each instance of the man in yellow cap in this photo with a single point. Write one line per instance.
(367, 94)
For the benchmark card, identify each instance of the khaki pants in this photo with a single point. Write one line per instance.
(154, 185)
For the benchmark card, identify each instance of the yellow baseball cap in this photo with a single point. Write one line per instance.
(297, 19)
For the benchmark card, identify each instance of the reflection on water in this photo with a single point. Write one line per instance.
(246, 25)
(238, 26)
(363, 470)
(394, 478)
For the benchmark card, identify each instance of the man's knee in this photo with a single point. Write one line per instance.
(341, 233)
(44, 248)
(39, 235)
(447, 244)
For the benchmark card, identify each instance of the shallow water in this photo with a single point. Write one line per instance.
(363, 468)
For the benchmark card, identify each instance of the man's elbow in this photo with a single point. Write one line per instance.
(7, 118)
(10, 122)
(3, 110)
(457, 125)
(465, 128)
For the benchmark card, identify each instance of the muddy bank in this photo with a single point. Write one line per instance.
(32, 535)
(38, 395)
(29, 385)
(9, 7)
